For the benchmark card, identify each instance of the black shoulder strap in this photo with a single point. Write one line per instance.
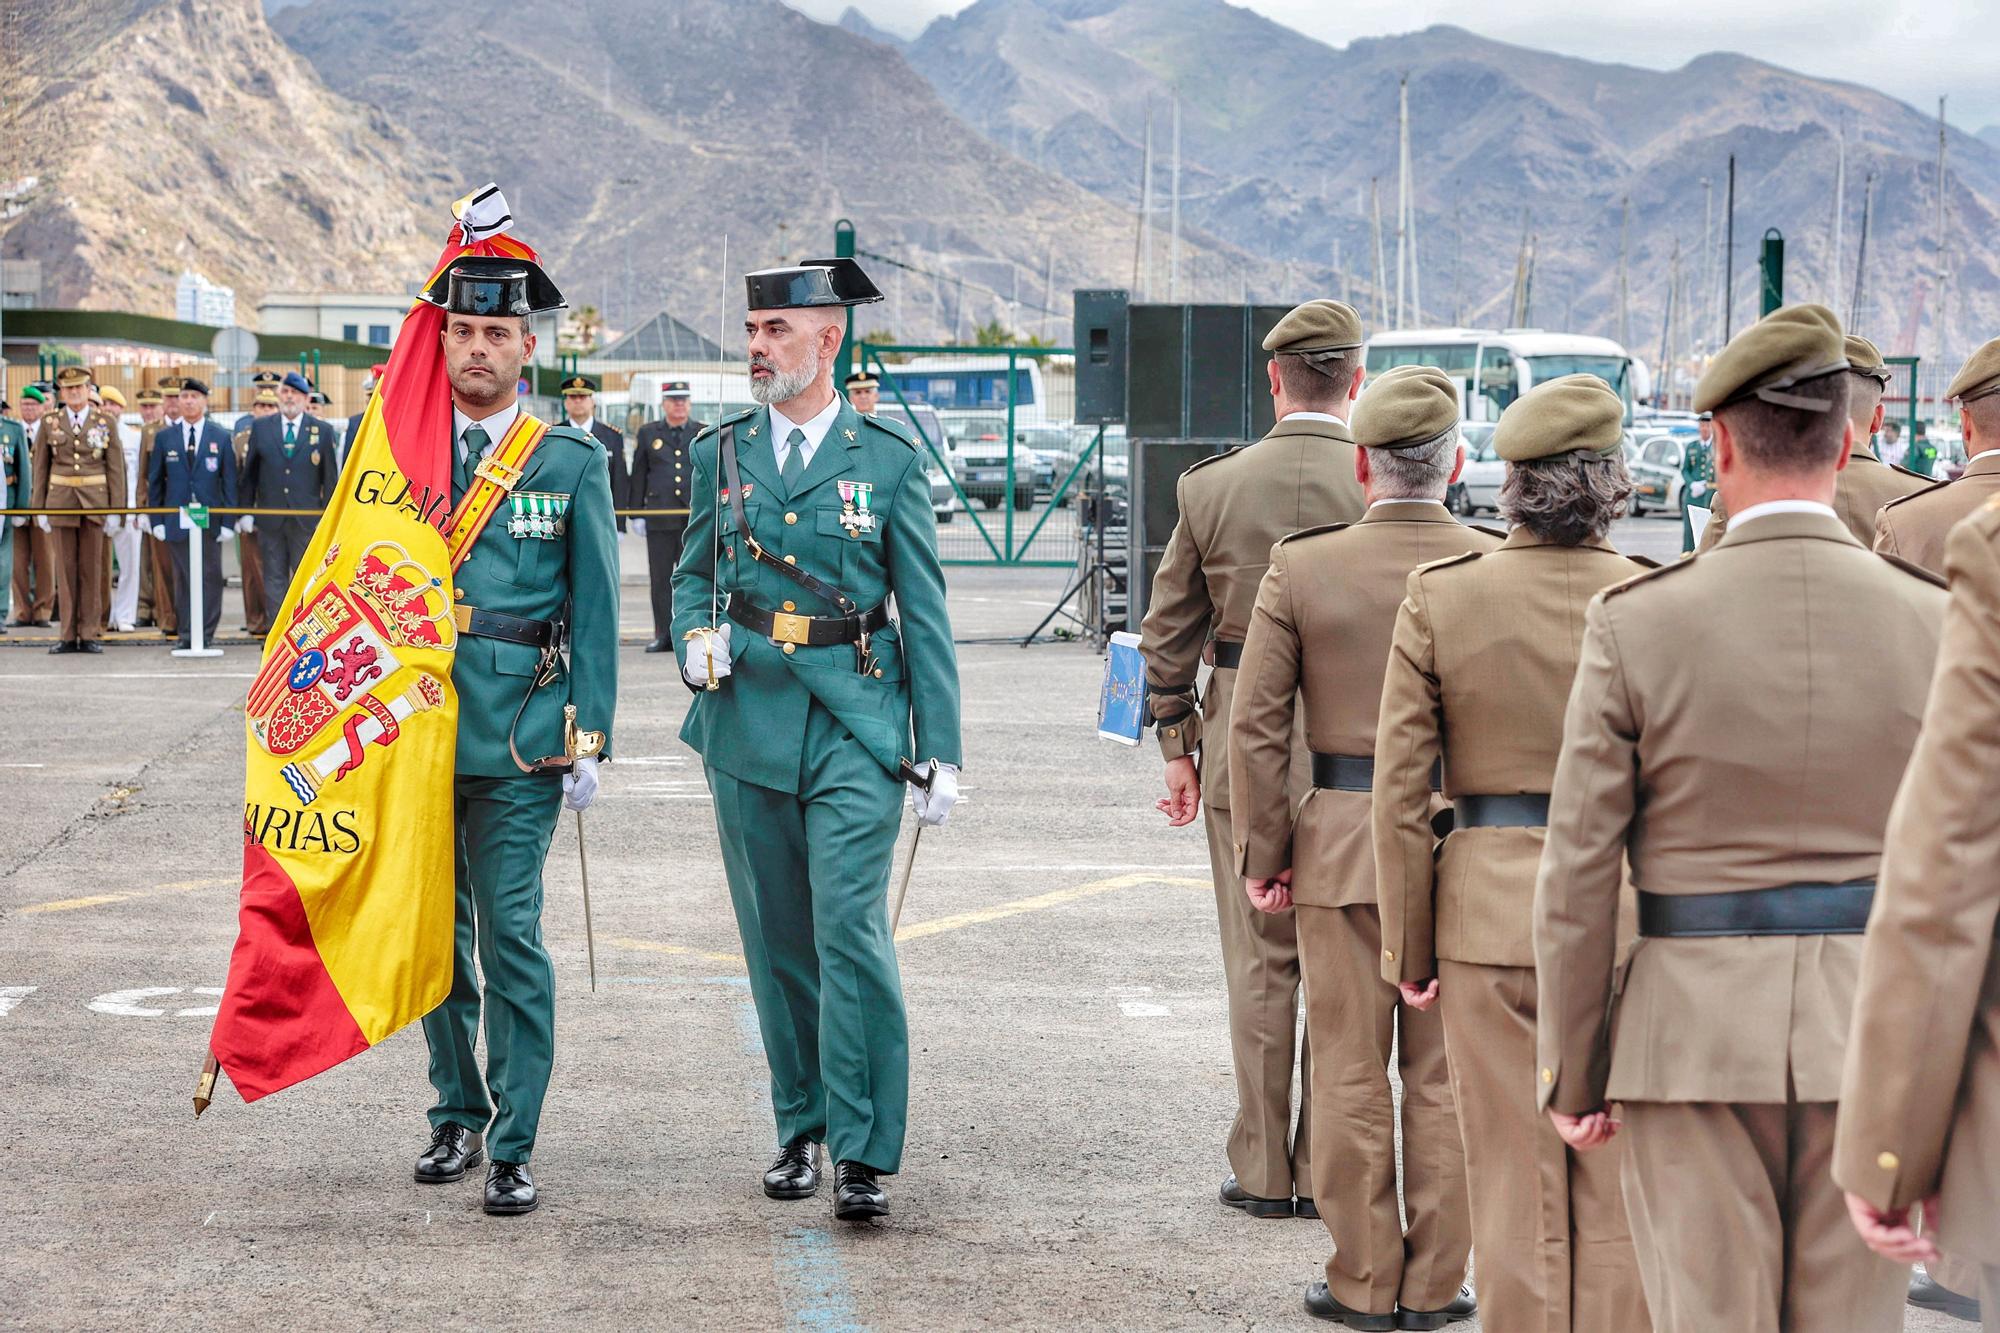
(816, 586)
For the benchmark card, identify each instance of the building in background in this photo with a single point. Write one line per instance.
(20, 284)
(350, 317)
(199, 301)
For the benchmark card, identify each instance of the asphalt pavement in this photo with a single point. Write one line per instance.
(1071, 1083)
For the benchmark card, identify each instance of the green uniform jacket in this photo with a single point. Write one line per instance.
(753, 728)
(14, 461)
(537, 577)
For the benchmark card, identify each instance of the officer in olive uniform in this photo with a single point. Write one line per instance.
(289, 465)
(526, 583)
(579, 398)
(808, 519)
(249, 549)
(78, 463)
(17, 488)
(661, 473)
(261, 383)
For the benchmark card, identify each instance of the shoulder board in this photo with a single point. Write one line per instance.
(1914, 570)
(1644, 561)
(573, 435)
(1216, 458)
(1311, 532)
(1936, 484)
(1920, 476)
(895, 430)
(1463, 557)
(1491, 532)
(1657, 572)
(732, 418)
(242, 435)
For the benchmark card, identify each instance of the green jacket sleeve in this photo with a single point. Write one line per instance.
(916, 579)
(694, 575)
(593, 584)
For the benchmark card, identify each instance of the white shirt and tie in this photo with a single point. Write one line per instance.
(495, 428)
(803, 436)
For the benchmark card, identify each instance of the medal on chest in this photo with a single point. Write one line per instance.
(857, 514)
(538, 514)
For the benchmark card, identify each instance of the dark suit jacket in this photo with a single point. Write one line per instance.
(613, 441)
(347, 440)
(303, 481)
(201, 469)
(663, 470)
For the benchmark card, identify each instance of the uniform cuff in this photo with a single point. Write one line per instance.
(1181, 736)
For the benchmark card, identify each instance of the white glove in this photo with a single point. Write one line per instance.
(112, 523)
(637, 526)
(42, 522)
(159, 532)
(695, 658)
(21, 522)
(225, 533)
(246, 525)
(933, 807)
(580, 784)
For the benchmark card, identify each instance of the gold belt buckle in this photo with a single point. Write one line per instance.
(461, 616)
(497, 472)
(791, 629)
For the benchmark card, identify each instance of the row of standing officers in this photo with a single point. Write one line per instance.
(1585, 851)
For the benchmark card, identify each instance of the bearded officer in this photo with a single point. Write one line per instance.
(1548, 1224)
(1319, 636)
(1232, 508)
(526, 582)
(1866, 483)
(78, 463)
(1915, 526)
(1723, 735)
(662, 469)
(826, 517)
(290, 465)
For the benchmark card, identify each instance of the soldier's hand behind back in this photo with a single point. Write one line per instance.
(1183, 799)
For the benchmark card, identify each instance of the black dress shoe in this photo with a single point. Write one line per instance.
(454, 1150)
(1462, 1307)
(857, 1194)
(183, 643)
(1323, 1304)
(1305, 1208)
(1235, 1196)
(89, 646)
(510, 1189)
(659, 646)
(61, 646)
(795, 1172)
(1926, 1293)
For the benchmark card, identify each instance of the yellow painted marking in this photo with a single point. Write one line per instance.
(1039, 902)
(680, 951)
(103, 899)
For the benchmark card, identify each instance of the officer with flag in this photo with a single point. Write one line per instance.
(807, 519)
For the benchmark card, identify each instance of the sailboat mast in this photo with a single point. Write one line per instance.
(1174, 214)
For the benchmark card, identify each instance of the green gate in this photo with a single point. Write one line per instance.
(1007, 464)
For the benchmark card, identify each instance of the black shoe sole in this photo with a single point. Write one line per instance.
(859, 1212)
(470, 1162)
(792, 1193)
(1963, 1308)
(1256, 1207)
(1305, 1208)
(1375, 1323)
(512, 1209)
(1417, 1321)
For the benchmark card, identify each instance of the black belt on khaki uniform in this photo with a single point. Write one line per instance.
(812, 631)
(499, 625)
(1354, 772)
(1517, 810)
(1228, 654)
(1787, 909)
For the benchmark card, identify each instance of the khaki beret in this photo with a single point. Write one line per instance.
(1864, 358)
(1406, 408)
(1316, 326)
(70, 375)
(1979, 377)
(1573, 414)
(1787, 347)
(149, 398)
(111, 395)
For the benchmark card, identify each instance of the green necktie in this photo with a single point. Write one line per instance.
(474, 443)
(795, 459)
(291, 436)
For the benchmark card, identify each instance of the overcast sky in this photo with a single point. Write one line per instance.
(1911, 49)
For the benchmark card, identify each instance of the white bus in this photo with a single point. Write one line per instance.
(1493, 367)
(959, 384)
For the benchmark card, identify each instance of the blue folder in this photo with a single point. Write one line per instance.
(1121, 711)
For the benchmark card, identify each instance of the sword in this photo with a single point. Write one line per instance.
(577, 745)
(911, 776)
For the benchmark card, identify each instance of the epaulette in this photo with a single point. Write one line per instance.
(1214, 458)
(1306, 532)
(1643, 561)
(1491, 532)
(1920, 476)
(1935, 580)
(574, 435)
(1936, 484)
(733, 417)
(1658, 572)
(1461, 558)
(893, 429)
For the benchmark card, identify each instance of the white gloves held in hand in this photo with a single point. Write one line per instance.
(42, 522)
(580, 784)
(698, 658)
(933, 807)
(246, 524)
(636, 526)
(159, 532)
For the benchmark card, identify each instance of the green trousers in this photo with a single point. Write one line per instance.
(504, 827)
(809, 877)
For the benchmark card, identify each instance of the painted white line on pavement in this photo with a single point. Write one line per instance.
(23, 765)
(127, 675)
(126, 1003)
(11, 997)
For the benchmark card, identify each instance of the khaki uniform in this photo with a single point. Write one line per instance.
(1859, 492)
(156, 602)
(1915, 526)
(1232, 509)
(79, 469)
(1548, 1223)
(1320, 634)
(1721, 734)
(1920, 1098)
(250, 558)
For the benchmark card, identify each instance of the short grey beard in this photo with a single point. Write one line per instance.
(783, 386)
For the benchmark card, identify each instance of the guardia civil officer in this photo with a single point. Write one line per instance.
(808, 519)
(290, 464)
(1735, 733)
(864, 392)
(1915, 526)
(579, 399)
(1548, 1223)
(193, 460)
(526, 584)
(1317, 641)
(78, 463)
(662, 473)
(1232, 508)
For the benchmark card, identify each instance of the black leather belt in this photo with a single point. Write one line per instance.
(812, 631)
(1519, 810)
(499, 625)
(1228, 654)
(1353, 772)
(1788, 909)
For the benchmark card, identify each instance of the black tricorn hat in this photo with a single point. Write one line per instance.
(479, 285)
(811, 282)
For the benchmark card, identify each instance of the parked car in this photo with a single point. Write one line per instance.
(1656, 473)
(922, 421)
(1478, 486)
(1055, 448)
(985, 477)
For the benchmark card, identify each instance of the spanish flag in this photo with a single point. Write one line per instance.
(345, 926)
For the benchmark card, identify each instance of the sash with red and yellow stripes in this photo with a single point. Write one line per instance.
(494, 480)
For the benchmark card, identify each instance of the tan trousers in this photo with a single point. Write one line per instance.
(250, 564)
(160, 561)
(79, 579)
(1989, 1299)
(1956, 1275)
(1352, 1019)
(1260, 969)
(1548, 1224)
(34, 574)
(1739, 1226)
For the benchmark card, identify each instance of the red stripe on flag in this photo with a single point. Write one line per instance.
(281, 1019)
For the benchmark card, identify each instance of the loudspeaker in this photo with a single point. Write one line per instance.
(1100, 355)
(1197, 371)
(1157, 466)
